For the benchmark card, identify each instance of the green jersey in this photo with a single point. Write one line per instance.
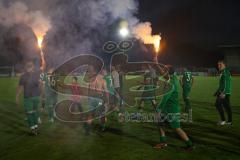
(187, 79)
(109, 83)
(225, 82)
(50, 94)
(169, 103)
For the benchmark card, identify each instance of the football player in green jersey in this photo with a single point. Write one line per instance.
(186, 83)
(50, 96)
(169, 112)
(223, 94)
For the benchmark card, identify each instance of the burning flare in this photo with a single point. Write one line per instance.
(43, 63)
(40, 40)
(157, 43)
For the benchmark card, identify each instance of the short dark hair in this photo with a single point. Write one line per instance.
(222, 61)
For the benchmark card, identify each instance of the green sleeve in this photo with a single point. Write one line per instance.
(223, 80)
(227, 83)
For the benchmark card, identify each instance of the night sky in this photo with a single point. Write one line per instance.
(193, 29)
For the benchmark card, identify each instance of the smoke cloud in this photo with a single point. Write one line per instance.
(75, 27)
(143, 31)
(19, 13)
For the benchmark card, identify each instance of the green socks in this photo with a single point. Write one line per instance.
(189, 142)
(163, 139)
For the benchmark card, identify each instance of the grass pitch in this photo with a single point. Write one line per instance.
(132, 141)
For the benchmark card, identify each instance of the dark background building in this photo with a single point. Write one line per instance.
(231, 55)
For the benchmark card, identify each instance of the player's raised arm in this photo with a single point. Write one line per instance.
(162, 71)
(41, 88)
(43, 63)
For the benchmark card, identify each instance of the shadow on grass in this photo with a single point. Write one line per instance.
(207, 133)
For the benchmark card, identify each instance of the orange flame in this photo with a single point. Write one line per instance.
(156, 43)
(40, 40)
(143, 31)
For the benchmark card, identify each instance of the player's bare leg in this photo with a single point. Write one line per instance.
(163, 142)
(88, 125)
(183, 136)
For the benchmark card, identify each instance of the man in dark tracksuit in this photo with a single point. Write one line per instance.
(223, 94)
